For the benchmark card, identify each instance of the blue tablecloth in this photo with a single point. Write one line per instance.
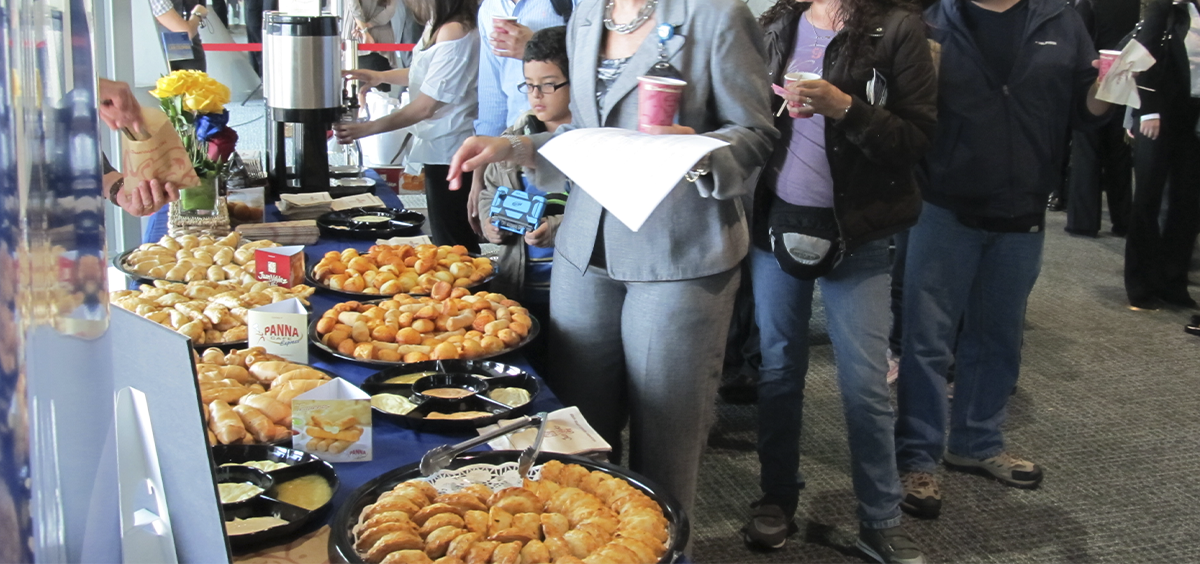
(394, 446)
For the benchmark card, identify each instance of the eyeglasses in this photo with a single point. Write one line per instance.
(547, 88)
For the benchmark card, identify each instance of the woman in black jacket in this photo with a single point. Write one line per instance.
(1166, 149)
(839, 185)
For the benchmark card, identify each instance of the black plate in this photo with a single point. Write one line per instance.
(341, 545)
(299, 464)
(315, 339)
(118, 263)
(312, 280)
(223, 346)
(398, 223)
(494, 374)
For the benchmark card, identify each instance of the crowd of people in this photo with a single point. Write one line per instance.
(909, 181)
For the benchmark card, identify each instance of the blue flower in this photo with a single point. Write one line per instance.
(208, 125)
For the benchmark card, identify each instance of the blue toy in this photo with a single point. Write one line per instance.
(515, 211)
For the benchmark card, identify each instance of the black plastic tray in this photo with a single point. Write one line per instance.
(299, 464)
(342, 224)
(495, 374)
(341, 538)
(311, 280)
(315, 339)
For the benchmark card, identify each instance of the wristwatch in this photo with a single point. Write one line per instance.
(115, 188)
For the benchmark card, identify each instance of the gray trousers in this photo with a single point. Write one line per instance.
(646, 353)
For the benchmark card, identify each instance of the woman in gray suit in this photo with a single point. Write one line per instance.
(638, 319)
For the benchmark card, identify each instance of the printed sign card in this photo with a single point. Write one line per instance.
(281, 328)
(280, 266)
(333, 421)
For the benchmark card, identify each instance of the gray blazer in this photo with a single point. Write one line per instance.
(700, 228)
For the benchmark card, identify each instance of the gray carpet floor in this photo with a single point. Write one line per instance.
(1107, 404)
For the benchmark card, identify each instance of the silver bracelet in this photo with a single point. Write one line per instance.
(699, 170)
(521, 153)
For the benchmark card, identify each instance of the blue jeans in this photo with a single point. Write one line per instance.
(983, 278)
(856, 297)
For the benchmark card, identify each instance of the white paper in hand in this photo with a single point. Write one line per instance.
(627, 172)
(1119, 85)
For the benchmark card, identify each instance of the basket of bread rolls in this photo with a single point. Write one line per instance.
(248, 394)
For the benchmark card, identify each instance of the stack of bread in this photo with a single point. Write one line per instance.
(207, 312)
(248, 394)
(568, 516)
(450, 323)
(189, 258)
(395, 269)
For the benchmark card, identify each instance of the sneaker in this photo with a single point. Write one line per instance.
(889, 546)
(922, 496)
(768, 528)
(1004, 467)
(893, 367)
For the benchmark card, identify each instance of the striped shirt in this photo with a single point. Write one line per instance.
(500, 103)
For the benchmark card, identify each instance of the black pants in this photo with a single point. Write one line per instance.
(376, 62)
(253, 10)
(1101, 161)
(447, 210)
(221, 9)
(1157, 260)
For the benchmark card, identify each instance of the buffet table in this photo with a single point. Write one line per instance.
(394, 446)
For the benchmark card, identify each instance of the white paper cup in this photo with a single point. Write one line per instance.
(498, 21)
(803, 111)
(1107, 58)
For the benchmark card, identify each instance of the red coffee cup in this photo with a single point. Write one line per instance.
(1107, 58)
(797, 77)
(658, 100)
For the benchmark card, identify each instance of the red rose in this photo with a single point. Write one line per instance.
(222, 144)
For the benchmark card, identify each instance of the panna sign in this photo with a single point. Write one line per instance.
(282, 329)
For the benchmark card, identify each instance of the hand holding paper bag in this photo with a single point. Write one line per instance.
(1119, 85)
(160, 157)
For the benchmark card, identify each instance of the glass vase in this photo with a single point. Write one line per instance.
(200, 209)
(201, 200)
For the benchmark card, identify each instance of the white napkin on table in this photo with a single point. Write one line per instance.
(567, 432)
(1119, 85)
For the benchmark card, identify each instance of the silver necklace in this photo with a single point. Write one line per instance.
(816, 32)
(627, 28)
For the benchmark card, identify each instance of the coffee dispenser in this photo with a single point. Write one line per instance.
(302, 83)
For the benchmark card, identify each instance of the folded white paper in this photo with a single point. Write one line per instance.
(413, 241)
(567, 432)
(357, 201)
(627, 172)
(333, 421)
(1119, 86)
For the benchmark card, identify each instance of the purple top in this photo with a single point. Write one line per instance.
(804, 178)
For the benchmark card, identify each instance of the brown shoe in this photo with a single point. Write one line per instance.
(922, 496)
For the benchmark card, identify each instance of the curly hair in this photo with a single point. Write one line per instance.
(858, 17)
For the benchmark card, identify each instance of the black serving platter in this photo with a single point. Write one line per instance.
(315, 339)
(263, 505)
(494, 375)
(395, 223)
(341, 538)
(314, 282)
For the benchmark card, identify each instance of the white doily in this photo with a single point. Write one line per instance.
(495, 477)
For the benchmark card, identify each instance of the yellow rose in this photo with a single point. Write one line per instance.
(167, 86)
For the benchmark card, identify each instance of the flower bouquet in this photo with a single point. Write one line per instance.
(195, 105)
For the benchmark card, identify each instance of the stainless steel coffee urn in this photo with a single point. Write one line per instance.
(302, 83)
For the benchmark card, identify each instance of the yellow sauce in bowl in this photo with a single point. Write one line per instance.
(448, 393)
(309, 492)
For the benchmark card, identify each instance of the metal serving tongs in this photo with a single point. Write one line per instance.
(529, 455)
(440, 457)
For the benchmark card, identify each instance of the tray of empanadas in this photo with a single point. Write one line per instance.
(452, 323)
(387, 270)
(247, 394)
(443, 396)
(270, 493)
(209, 313)
(189, 258)
(568, 510)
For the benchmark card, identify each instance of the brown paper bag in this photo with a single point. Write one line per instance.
(160, 157)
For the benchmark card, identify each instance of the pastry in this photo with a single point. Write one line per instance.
(395, 269)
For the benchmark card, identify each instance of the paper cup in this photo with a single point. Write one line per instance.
(498, 21)
(658, 100)
(1107, 58)
(797, 77)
